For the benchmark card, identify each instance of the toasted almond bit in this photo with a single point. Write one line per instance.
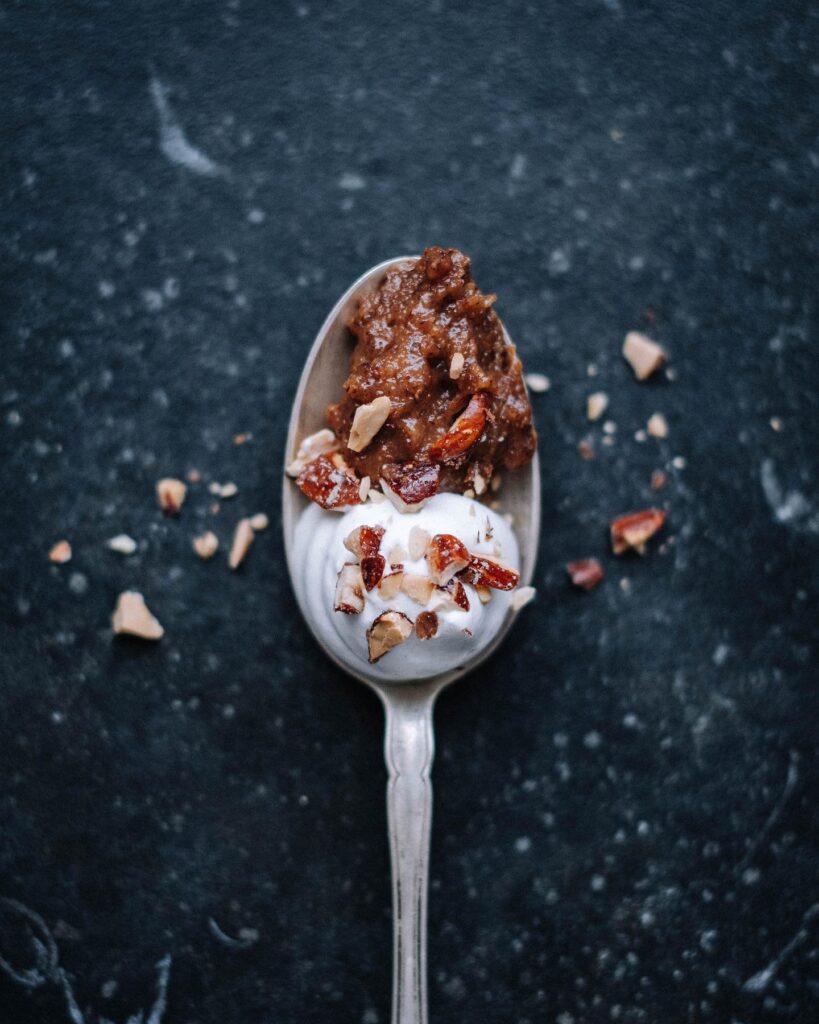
(390, 585)
(586, 450)
(214, 487)
(537, 382)
(522, 597)
(410, 485)
(398, 553)
(426, 625)
(657, 425)
(376, 497)
(417, 588)
(592, 370)
(206, 545)
(456, 366)
(776, 423)
(122, 544)
(452, 597)
(132, 617)
(388, 630)
(479, 483)
(321, 443)
(658, 480)
(418, 542)
(241, 438)
(60, 553)
(470, 493)
(466, 431)
(330, 486)
(372, 569)
(445, 556)
(259, 522)
(242, 539)
(631, 531)
(341, 463)
(644, 355)
(585, 573)
(229, 490)
(484, 594)
(367, 421)
(495, 483)
(349, 596)
(596, 405)
(193, 476)
(364, 488)
(170, 494)
(486, 571)
(214, 508)
(495, 504)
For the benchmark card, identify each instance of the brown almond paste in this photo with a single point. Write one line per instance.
(406, 335)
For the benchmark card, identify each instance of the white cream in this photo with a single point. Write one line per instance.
(319, 554)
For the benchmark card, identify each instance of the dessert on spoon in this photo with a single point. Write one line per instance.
(411, 522)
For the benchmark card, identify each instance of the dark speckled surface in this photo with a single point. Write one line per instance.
(625, 798)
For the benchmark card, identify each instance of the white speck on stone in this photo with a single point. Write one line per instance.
(720, 655)
(122, 544)
(351, 182)
(630, 721)
(786, 508)
(78, 583)
(256, 216)
(597, 883)
(66, 348)
(13, 418)
(708, 940)
(559, 262)
(152, 300)
(517, 169)
(170, 289)
(679, 462)
(105, 289)
(592, 740)
(172, 141)
(523, 844)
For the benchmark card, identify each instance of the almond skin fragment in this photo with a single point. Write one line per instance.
(206, 545)
(643, 355)
(634, 529)
(364, 541)
(372, 569)
(465, 431)
(242, 539)
(321, 443)
(259, 522)
(349, 596)
(388, 630)
(446, 555)
(522, 597)
(596, 405)
(131, 617)
(484, 571)
(585, 573)
(122, 544)
(367, 421)
(417, 588)
(426, 625)
(658, 480)
(170, 493)
(657, 426)
(484, 594)
(418, 543)
(390, 585)
(409, 485)
(538, 383)
(60, 553)
(324, 483)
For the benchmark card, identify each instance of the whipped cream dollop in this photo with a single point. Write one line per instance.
(320, 554)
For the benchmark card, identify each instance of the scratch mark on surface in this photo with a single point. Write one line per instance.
(247, 936)
(790, 784)
(758, 982)
(45, 948)
(172, 141)
(790, 509)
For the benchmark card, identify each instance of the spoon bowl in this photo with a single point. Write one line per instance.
(408, 704)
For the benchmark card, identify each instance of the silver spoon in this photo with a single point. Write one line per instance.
(409, 742)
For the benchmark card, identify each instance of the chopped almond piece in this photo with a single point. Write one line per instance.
(364, 541)
(321, 443)
(596, 405)
(60, 553)
(259, 522)
(484, 571)
(170, 494)
(367, 421)
(456, 366)
(657, 425)
(131, 616)
(585, 573)
(537, 382)
(376, 497)
(445, 556)
(658, 480)
(644, 355)
(465, 431)
(484, 594)
(409, 485)
(122, 544)
(418, 542)
(634, 529)
(426, 625)
(388, 630)
(206, 545)
(241, 438)
(522, 597)
(397, 554)
(372, 569)
(323, 482)
(364, 488)
(390, 585)
(229, 490)
(453, 595)
(417, 588)
(242, 539)
(349, 597)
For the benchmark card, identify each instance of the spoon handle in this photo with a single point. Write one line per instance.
(408, 748)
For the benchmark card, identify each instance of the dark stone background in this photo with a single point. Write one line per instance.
(625, 820)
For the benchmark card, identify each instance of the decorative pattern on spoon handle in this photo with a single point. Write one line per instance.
(409, 748)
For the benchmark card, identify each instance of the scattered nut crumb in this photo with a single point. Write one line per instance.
(193, 476)
(60, 553)
(479, 483)
(206, 545)
(349, 596)
(418, 542)
(522, 597)
(585, 573)
(170, 494)
(364, 488)
(596, 405)
(426, 625)
(242, 539)
(229, 490)
(132, 617)
(776, 423)
(586, 450)
(387, 631)
(259, 522)
(591, 370)
(644, 355)
(241, 438)
(214, 487)
(657, 425)
(367, 421)
(469, 493)
(625, 585)
(456, 366)
(376, 496)
(214, 508)
(608, 440)
(122, 544)
(417, 588)
(390, 585)
(658, 480)
(631, 531)
(537, 382)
